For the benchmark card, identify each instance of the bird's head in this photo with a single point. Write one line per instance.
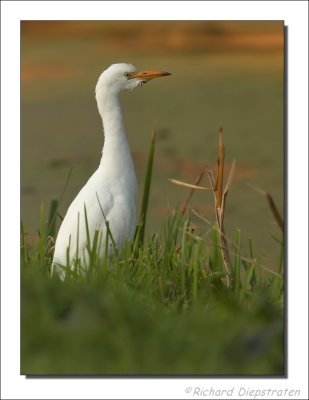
(120, 77)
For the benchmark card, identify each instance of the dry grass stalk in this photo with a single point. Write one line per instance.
(194, 187)
(220, 196)
(272, 206)
(188, 185)
(275, 211)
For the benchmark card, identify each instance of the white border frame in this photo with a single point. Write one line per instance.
(295, 14)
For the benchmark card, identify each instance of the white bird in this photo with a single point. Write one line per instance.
(110, 193)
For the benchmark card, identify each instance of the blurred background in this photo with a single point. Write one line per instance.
(226, 74)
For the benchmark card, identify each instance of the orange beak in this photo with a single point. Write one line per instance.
(147, 75)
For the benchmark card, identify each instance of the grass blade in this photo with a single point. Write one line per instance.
(184, 254)
(42, 236)
(24, 258)
(51, 222)
(143, 215)
(196, 255)
(236, 278)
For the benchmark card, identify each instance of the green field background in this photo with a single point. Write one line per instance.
(228, 74)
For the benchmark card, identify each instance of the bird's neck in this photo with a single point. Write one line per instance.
(116, 155)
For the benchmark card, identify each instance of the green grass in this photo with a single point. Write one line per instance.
(163, 307)
(161, 311)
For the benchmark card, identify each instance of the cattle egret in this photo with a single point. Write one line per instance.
(110, 193)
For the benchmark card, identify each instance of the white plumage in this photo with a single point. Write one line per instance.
(110, 193)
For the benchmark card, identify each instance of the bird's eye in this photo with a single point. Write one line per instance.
(127, 75)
